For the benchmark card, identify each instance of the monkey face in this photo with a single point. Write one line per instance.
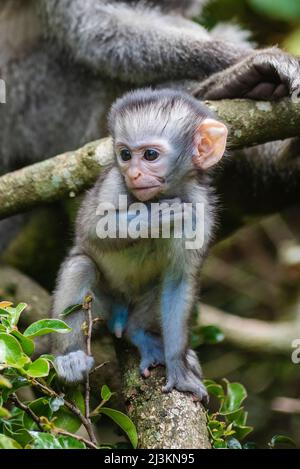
(161, 138)
(145, 167)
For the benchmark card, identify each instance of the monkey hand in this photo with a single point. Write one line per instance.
(186, 375)
(73, 367)
(268, 74)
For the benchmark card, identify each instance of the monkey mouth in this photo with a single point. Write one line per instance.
(144, 188)
(145, 192)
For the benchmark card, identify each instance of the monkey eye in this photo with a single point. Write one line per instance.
(125, 154)
(151, 155)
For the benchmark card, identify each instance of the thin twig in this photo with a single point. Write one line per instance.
(88, 443)
(68, 404)
(14, 398)
(98, 367)
(87, 306)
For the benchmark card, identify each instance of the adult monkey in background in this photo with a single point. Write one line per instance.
(65, 61)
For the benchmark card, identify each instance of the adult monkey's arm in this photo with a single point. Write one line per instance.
(136, 43)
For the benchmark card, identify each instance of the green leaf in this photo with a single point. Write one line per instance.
(8, 443)
(124, 422)
(212, 334)
(18, 433)
(4, 383)
(41, 408)
(241, 431)
(45, 326)
(238, 417)
(220, 444)
(38, 369)
(26, 343)
(15, 313)
(215, 390)
(216, 428)
(10, 349)
(44, 441)
(67, 442)
(105, 393)
(48, 441)
(281, 440)
(233, 443)
(4, 313)
(64, 418)
(16, 381)
(236, 394)
(70, 310)
(4, 414)
(6, 324)
(50, 358)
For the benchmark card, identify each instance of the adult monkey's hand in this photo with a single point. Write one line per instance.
(268, 74)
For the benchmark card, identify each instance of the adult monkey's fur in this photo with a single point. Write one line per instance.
(65, 61)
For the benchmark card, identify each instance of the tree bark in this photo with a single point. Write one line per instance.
(163, 421)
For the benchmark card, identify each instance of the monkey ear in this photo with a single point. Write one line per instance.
(210, 140)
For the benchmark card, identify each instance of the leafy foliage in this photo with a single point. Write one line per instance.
(47, 422)
(228, 425)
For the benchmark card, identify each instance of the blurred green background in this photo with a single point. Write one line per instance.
(270, 21)
(256, 273)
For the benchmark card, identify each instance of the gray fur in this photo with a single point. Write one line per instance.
(134, 272)
(89, 53)
(74, 367)
(266, 75)
(65, 61)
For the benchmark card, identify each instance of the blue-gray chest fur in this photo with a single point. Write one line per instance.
(130, 270)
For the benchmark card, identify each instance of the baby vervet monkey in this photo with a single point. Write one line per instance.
(142, 276)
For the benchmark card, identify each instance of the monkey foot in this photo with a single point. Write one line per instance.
(186, 377)
(145, 368)
(152, 355)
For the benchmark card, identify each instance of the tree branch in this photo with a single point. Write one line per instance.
(39, 421)
(87, 307)
(69, 174)
(253, 335)
(14, 398)
(163, 420)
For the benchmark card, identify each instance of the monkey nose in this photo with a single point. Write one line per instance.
(134, 174)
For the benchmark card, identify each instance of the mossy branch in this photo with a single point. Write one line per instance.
(70, 173)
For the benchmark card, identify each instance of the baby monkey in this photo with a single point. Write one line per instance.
(143, 277)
